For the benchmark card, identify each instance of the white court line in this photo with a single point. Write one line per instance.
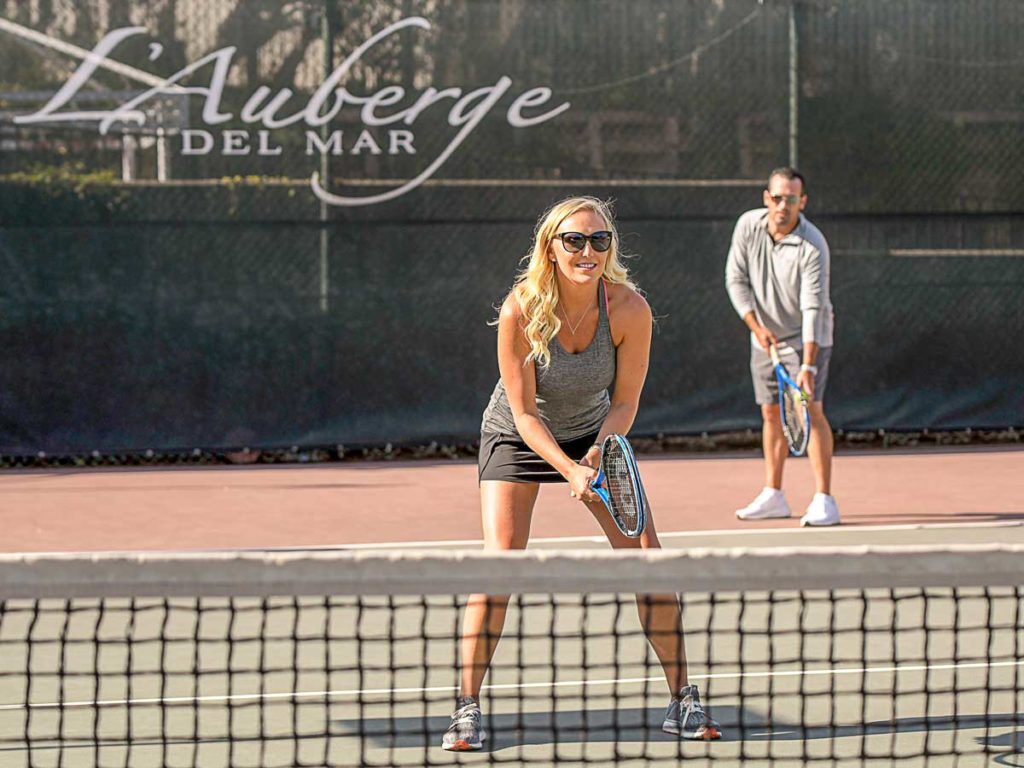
(359, 692)
(752, 532)
(681, 534)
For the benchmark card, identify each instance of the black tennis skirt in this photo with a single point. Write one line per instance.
(507, 457)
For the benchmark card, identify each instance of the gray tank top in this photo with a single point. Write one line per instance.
(572, 391)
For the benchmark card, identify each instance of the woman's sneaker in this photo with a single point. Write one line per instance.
(466, 732)
(687, 719)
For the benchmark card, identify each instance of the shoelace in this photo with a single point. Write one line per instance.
(466, 714)
(694, 706)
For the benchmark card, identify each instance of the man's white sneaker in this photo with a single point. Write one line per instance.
(770, 503)
(822, 510)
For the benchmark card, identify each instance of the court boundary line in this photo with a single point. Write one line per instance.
(360, 692)
(589, 539)
(599, 539)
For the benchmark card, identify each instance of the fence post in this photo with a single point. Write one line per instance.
(794, 87)
(327, 36)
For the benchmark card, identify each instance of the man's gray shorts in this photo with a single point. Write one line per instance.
(766, 388)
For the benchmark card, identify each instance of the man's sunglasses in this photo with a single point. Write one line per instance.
(574, 242)
(789, 199)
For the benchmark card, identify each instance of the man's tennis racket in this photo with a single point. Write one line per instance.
(618, 484)
(796, 416)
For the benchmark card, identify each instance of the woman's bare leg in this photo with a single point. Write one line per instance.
(506, 511)
(659, 614)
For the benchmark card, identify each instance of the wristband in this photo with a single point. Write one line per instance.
(812, 368)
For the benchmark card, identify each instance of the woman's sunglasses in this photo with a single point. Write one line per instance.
(574, 242)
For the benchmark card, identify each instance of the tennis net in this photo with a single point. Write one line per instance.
(844, 656)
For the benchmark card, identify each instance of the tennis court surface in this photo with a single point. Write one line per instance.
(845, 656)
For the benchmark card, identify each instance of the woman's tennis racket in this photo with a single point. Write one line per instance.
(796, 416)
(618, 484)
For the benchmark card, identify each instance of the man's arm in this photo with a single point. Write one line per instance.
(809, 369)
(813, 285)
(764, 337)
(737, 283)
(813, 289)
(737, 276)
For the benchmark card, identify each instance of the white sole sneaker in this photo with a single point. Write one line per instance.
(822, 511)
(806, 521)
(775, 510)
(759, 514)
(465, 745)
(769, 505)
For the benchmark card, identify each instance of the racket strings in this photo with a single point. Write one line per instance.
(795, 410)
(620, 487)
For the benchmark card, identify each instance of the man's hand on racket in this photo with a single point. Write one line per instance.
(764, 337)
(805, 380)
(579, 478)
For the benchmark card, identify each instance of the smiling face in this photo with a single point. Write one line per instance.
(587, 264)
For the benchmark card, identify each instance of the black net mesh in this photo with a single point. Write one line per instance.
(928, 675)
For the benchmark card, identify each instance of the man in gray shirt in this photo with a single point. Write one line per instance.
(777, 275)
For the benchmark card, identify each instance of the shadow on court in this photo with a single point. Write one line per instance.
(925, 518)
(1012, 744)
(644, 725)
(540, 729)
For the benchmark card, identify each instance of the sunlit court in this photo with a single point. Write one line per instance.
(511, 382)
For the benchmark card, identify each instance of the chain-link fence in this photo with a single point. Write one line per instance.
(174, 282)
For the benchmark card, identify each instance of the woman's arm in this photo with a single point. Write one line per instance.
(520, 382)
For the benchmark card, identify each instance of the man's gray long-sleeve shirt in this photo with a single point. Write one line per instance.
(785, 284)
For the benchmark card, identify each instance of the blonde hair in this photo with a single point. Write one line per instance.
(536, 287)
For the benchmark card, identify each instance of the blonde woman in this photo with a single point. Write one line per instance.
(572, 326)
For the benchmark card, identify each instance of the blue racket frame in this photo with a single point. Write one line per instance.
(784, 380)
(597, 486)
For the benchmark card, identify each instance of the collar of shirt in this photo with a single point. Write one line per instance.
(793, 238)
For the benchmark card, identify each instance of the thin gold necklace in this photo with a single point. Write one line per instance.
(572, 328)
